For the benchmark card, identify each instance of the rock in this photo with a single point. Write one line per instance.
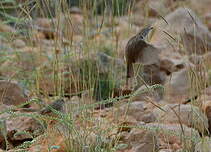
(170, 135)
(200, 60)
(142, 140)
(18, 43)
(5, 47)
(57, 144)
(75, 10)
(152, 74)
(188, 115)
(204, 145)
(137, 110)
(148, 117)
(72, 107)
(157, 8)
(182, 23)
(6, 28)
(44, 25)
(181, 86)
(170, 64)
(25, 59)
(207, 109)
(201, 8)
(207, 19)
(11, 93)
(18, 129)
(145, 93)
(70, 28)
(22, 124)
(152, 8)
(165, 150)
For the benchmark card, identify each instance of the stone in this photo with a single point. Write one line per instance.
(182, 86)
(18, 43)
(135, 109)
(188, 115)
(170, 64)
(207, 109)
(182, 24)
(204, 145)
(21, 124)
(145, 92)
(75, 10)
(152, 8)
(18, 129)
(12, 93)
(6, 28)
(157, 8)
(165, 150)
(44, 25)
(152, 74)
(142, 140)
(207, 19)
(201, 8)
(170, 135)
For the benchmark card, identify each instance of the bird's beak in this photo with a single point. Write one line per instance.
(151, 28)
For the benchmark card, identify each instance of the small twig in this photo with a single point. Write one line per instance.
(169, 35)
(192, 18)
(163, 19)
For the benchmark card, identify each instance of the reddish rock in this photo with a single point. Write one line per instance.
(6, 28)
(11, 93)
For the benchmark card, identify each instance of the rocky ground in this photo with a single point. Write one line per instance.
(80, 58)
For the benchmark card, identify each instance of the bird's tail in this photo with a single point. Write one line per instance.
(129, 72)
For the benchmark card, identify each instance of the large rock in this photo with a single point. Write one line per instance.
(151, 74)
(44, 25)
(183, 25)
(140, 140)
(152, 8)
(201, 8)
(22, 124)
(182, 85)
(188, 115)
(174, 136)
(18, 128)
(11, 93)
(137, 110)
(170, 64)
(177, 88)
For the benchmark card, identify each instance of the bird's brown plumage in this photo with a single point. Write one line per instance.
(137, 50)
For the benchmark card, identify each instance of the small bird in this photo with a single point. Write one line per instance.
(138, 50)
(57, 105)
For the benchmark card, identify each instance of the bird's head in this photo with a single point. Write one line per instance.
(144, 32)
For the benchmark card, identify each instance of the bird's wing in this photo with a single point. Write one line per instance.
(149, 55)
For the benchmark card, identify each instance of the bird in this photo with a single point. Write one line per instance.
(57, 105)
(138, 50)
